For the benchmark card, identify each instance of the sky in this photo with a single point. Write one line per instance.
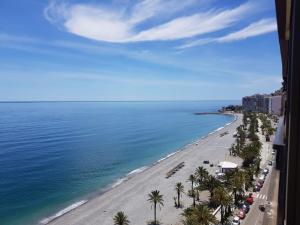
(125, 50)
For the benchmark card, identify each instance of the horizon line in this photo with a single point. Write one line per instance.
(183, 100)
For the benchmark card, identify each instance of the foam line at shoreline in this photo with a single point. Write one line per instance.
(62, 212)
(129, 176)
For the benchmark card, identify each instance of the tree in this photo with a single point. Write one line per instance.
(249, 175)
(221, 197)
(187, 213)
(250, 153)
(155, 198)
(210, 184)
(192, 192)
(237, 183)
(200, 215)
(121, 219)
(201, 174)
(192, 180)
(179, 188)
(245, 117)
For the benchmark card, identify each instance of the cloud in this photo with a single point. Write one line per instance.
(260, 27)
(120, 26)
(147, 9)
(4, 38)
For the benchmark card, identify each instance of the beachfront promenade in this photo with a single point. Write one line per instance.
(131, 196)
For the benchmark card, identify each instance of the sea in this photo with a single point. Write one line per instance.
(55, 156)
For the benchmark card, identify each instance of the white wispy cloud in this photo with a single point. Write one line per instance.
(4, 38)
(120, 26)
(147, 9)
(260, 27)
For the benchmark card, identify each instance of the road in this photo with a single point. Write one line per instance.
(255, 216)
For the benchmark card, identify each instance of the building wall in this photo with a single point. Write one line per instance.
(267, 104)
(276, 103)
(263, 103)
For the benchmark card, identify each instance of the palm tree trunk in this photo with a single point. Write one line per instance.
(222, 215)
(154, 213)
(235, 200)
(178, 197)
(194, 201)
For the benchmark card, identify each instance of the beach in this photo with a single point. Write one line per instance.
(131, 195)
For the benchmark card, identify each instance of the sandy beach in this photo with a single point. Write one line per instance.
(131, 196)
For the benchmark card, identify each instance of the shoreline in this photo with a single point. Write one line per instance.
(131, 175)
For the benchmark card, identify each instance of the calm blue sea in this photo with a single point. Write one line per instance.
(53, 154)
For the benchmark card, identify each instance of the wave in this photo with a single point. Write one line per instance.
(220, 128)
(129, 175)
(137, 171)
(62, 212)
(119, 181)
(168, 156)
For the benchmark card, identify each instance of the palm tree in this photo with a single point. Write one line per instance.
(192, 193)
(249, 177)
(200, 215)
(210, 184)
(187, 221)
(221, 197)
(179, 188)
(192, 180)
(121, 219)
(201, 173)
(237, 183)
(156, 199)
(250, 152)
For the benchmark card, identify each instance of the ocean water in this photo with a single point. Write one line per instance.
(55, 154)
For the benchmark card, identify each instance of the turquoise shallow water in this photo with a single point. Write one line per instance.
(53, 154)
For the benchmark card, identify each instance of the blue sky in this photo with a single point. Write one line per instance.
(137, 50)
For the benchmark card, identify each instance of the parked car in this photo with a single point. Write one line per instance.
(270, 163)
(262, 177)
(241, 214)
(206, 162)
(256, 188)
(245, 208)
(236, 221)
(250, 199)
(259, 184)
(243, 205)
(265, 171)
